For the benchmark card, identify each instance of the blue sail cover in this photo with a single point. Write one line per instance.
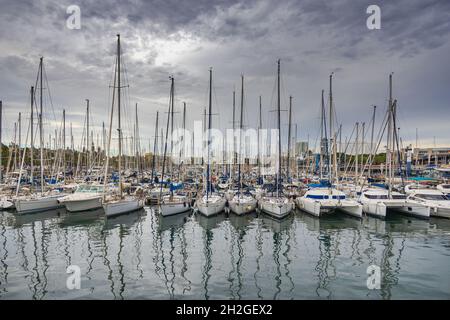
(176, 186)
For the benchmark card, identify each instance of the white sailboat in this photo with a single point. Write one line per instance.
(277, 206)
(379, 201)
(86, 197)
(44, 200)
(116, 204)
(434, 199)
(173, 203)
(210, 203)
(241, 203)
(325, 200)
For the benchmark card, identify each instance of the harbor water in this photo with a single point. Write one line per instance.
(145, 256)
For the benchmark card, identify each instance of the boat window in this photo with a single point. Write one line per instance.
(375, 196)
(437, 197)
(398, 196)
(342, 197)
(314, 196)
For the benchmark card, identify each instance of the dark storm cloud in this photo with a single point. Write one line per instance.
(184, 38)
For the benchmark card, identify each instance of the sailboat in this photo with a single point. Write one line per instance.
(242, 203)
(277, 206)
(173, 203)
(116, 204)
(86, 196)
(328, 199)
(45, 200)
(377, 201)
(210, 203)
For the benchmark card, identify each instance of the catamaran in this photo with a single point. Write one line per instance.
(327, 199)
(434, 199)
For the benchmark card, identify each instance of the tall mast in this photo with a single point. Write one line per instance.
(41, 131)
(165, 140)
(259, 132)
(240, 132)
(322, 128)
(234, 131)
(136, 142)
(357, 150)
(332, 143)
(289, 139)
(372, 151)
(88, 133)
(172, 96)
(20, 137)
(64, 144)
(363, 135)
(32, 135)
(279, 129)
(119, 129)
(390, 136)
(208, 178)
(155, 144)
(204, 130)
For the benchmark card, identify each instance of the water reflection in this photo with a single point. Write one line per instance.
(226, 256)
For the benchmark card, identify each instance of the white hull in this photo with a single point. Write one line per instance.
(275, 209)
(211, 208)
(440, 212)
(243, 206)
(114, 208)
(77, 205)
(170, 209)
(37, 204)
(414, 209)
(318, 208)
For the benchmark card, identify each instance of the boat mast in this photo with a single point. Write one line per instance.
(155, 144)
(32, 135)
(390, 137)
(41, 131)
(334, 173)
(64, 144)
(165, 140)
(357, 151)
(371, 141)
(118, 113)
(208, 175)
(88, 133)
(234, 138)
(279, 129)
(322, 129)
(289, 139)
(259, 137)
(20, 138)
(240, 134)
(172, 98)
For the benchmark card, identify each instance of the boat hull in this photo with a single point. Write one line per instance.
(276, 210)
(79, 205)
(37, 205)
(209, 209)
(122, 207)
(170, 209)
(319, 208)
(241, 208)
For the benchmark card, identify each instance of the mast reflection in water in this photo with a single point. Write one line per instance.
(189, 256)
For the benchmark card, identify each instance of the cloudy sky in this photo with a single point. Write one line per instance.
(185, 38)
